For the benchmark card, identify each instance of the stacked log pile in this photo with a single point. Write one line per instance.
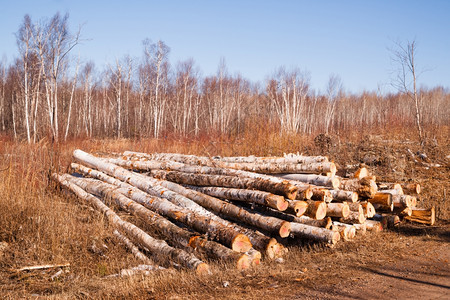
(234, 209)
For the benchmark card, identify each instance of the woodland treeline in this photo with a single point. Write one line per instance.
(48, 92)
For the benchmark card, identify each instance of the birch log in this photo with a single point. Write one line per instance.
(222, 181)
(250, 196)
(152, 244)
(261, 242)
(287, 158)
(384, 199)
(368, 208)
(340, 210)
(174, 234)
(315, 233)
(319, 180)
(423, 216)
(297, 207)
(344, 196)
(354, 218)
(374, 226)
(365, 187)
(412, 188)
(316, 210)
(135, 250)
(346, 231)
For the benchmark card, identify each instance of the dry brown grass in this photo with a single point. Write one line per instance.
(42, 225)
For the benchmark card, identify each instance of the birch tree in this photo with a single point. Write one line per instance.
(334, 90)
(404, 56)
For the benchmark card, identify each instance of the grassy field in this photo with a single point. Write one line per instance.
(42, 225)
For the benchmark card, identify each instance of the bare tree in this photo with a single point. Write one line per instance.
(334, 90)
(406, 80)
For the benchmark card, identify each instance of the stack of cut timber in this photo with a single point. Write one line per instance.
(234, 209)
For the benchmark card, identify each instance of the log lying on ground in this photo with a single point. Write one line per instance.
(354, 218)
(374, 226)
(325, 222)
(315, 233)
(361, 228)
(384, 199)
(344, 196)
(412, 188)
(423, 216)
(297, 207)
(135, 250)
(261, 242)
(387, 220)
(307, 191)
(365, 187)
(357, 207)
(402, 211)
(361, 173)
(175, 235)
(392, 191)
(340, 210)
(220, 181)
(192, 159)
(153, 245)
(368, 208)
(282, 186)
(321, 194)
(314, 179)
(221, 207)
(347, 231)
(251, 196)
(316, 210)
(402, 201)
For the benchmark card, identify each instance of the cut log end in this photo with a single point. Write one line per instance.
(202, 269)
(299, 207)
(285, 229)
(241, 243)
(275, 249)
(243, 263)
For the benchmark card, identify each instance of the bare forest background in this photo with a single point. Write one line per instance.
(49, 93)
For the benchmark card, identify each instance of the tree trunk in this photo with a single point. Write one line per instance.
(344, 196)
(251, 196)
(340, 210)
(189, 159)
(374, 226)
(412, 188)
(384, 199)
(155, 246)
(361, 173)
(402, 201)
(346, 231)
(369, 209)
(316, 210)
(365, 187)
(315, 233)
(354, 218)
(313, 179)
(423, 216)
(135, 250)
(297, 207)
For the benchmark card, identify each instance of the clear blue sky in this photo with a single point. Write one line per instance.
(348, 38)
